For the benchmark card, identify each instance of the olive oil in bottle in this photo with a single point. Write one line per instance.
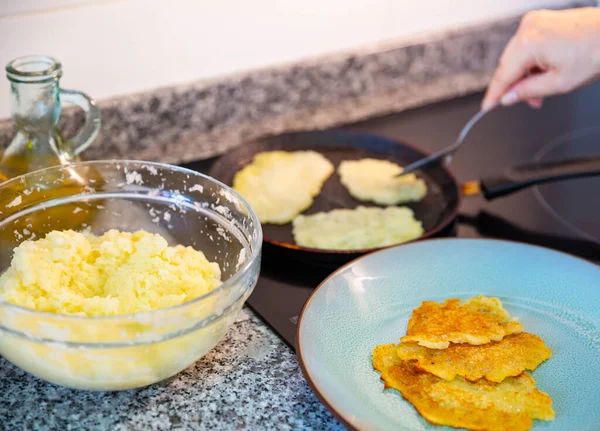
(36, 99)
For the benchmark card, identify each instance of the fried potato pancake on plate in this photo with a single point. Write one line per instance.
(477, 321)
(493, 361)
(482, 406)
(279, 185)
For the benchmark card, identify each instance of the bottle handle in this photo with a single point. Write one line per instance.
(93, 120)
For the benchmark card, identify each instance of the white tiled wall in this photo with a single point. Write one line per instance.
(112, 47)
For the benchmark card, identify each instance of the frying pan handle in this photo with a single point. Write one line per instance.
(532, 174)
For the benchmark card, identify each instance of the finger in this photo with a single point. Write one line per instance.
(492, 94)
(532, 87)
(536, 102)
(516, 61)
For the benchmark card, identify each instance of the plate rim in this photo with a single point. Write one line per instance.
(299, 353)
(446, 222)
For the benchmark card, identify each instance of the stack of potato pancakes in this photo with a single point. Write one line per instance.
(463, 365)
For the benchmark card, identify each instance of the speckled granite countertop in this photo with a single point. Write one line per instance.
(250, 381)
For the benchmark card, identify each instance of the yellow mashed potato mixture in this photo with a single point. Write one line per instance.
(378, 181)
(69, 272)
(360, 228)
(280, 184)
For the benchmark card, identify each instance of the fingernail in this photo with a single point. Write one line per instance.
(509, 98)
(486, 105)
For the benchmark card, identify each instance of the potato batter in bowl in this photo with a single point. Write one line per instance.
(140, 295)
(69, 272)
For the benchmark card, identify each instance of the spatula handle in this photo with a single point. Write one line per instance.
(524, 176)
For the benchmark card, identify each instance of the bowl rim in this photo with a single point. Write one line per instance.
(256, 243)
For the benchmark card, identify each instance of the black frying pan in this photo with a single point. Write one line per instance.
(437, 211)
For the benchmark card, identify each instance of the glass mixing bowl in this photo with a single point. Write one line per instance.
(134, 350)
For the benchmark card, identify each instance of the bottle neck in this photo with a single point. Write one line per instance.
(35, 106)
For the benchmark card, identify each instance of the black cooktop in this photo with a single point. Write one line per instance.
(563, 216)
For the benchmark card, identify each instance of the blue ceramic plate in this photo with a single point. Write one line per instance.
(369, 301)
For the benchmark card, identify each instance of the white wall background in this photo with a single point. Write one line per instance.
(113, 47)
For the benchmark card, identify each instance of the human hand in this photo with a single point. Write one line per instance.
(552, 52)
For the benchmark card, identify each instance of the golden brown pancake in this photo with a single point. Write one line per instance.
(508, 406)
(493, 361)
(478, 321)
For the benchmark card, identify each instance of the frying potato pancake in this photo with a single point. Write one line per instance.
(508, 406)
(356, 229)
(280, 185)
(376, 181)
(478, 321)
(493, 361)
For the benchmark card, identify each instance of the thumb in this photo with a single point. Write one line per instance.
(535, 86)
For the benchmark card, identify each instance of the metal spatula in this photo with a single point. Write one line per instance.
(444, 156)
